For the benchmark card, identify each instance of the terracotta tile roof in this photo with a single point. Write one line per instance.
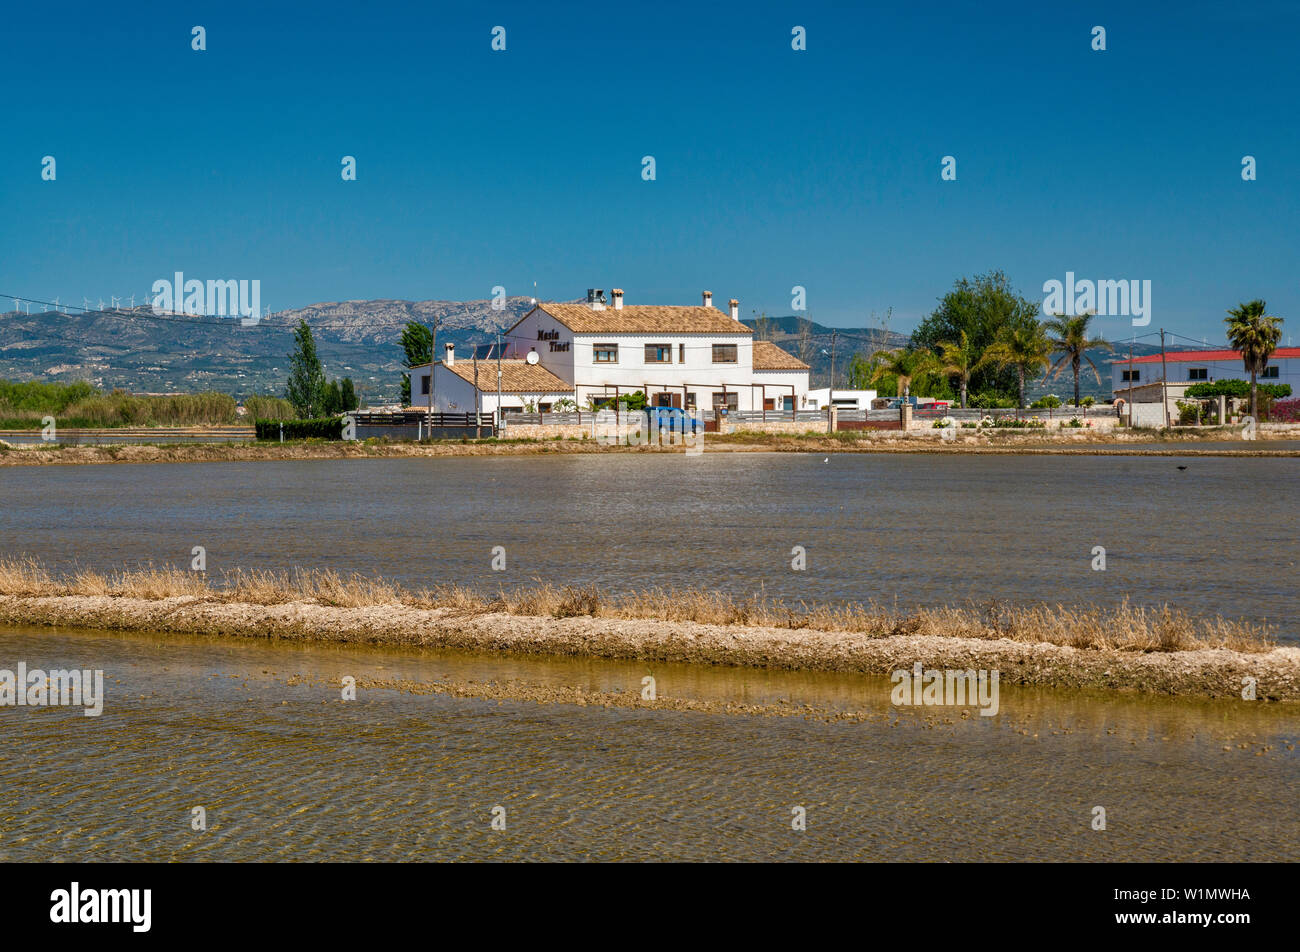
(644, 319)
(768, 356)
(517, 376)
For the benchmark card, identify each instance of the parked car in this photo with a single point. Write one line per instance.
(673, 418)
(897, 403)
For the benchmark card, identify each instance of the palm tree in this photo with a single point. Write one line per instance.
(1072, 342)
(959, 359)
(904, 364)
(1022, 346)
(1255, 335)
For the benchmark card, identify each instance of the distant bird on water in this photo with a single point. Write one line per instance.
(826, 460)
(1182, 467)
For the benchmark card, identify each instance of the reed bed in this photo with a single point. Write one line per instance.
(80, 405)
(1124, 627)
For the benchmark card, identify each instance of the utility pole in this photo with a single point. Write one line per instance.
(478, 423)
(1164, 377)
(501, 417)
(1130, 379)
(433, 353)
(830, 394)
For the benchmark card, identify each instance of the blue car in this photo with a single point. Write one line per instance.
(674, 419)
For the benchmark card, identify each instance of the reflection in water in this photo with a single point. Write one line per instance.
(257, 735)
(919, 529)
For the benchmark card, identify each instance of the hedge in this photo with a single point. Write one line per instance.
(1236, 388)
(323, 428)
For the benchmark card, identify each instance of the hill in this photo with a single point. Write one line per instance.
(136, 350)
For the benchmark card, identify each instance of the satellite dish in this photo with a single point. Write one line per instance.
(532, 357)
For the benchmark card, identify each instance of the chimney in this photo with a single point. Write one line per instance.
(450, 359)
(708, 299)
(735, 309)
(618, 299)
(596, 298)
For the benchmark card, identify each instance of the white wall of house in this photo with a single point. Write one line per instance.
(845, 399)
(690, 365)
(452, 394)
(778, 384)
(689, 373)
(552, 340)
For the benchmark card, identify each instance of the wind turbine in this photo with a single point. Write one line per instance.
(56, 305)
(114, 301)
(133, 301)
(101, 304)
(85, 305)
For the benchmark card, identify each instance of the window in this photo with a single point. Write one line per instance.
(605, 353)
(424, 385)
(1198, 373)
(690, 399)
(1131, 376)
(729, 400)
(724, 353)
(1270, 372)
(658, 353)
(681, 353)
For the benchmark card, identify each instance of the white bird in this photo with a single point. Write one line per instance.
(826, 460)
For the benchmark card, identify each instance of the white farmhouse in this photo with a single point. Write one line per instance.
(679, 356)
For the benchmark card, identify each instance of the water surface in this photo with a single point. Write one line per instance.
(257, 735)
(1219, 536)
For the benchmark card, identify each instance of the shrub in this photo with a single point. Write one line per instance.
(1049, 402)
(1011, 423)
(1236, 388)
(1285, 411)
(1188, 413)
(990, 400)
(320, 428)
(269, 408)
(1088, 401)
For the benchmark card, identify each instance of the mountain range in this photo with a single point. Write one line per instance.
(135, 350)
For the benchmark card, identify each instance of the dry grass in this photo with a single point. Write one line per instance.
(1123, 628)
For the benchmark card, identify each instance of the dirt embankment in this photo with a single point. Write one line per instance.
(1206, 672)
(1050, 442)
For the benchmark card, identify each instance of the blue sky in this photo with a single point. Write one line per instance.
(775, 168)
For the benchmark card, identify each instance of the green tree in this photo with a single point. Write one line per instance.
(349, 394)
(306, 384)
(982, 307)
(903, 366)
(1256, 335)
(1023, 348)
(417, 344)
(958, 359)
(1070, 339)
(331, 399)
